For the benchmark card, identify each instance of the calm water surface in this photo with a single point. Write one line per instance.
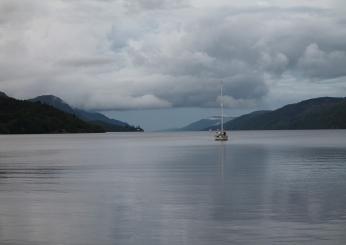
(273, 187)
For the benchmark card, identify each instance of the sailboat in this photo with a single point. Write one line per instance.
(221, 135)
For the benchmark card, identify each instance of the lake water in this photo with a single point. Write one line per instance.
(261, 187)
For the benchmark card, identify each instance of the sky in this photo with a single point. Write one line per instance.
(159, 63)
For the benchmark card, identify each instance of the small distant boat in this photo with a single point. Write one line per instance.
(221, 135)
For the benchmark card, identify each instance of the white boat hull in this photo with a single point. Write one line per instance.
(221, 136)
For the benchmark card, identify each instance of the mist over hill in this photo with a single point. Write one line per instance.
(108, 124)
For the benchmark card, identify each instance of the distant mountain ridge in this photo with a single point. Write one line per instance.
(202, 124)
(317, 113)
(25, 117)
(93, 117)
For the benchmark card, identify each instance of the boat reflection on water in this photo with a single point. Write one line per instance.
(221, 158)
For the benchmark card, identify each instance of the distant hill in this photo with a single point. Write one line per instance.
(318, 113)
(110, 125)
(203, 124)
(24, 117)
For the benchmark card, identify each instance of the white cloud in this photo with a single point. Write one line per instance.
(318, 63)
(109, 101)
(230, 102)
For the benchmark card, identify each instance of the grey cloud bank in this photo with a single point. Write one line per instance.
(145, 54)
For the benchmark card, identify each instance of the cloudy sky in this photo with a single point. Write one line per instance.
(164, 59)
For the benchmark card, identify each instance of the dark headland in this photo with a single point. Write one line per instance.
(38, 117)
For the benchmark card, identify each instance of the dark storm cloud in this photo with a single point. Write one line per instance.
(86, 61)
(241, 48)
(138, 5)
(158, 53)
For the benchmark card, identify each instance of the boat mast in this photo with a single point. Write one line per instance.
(221, 107)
